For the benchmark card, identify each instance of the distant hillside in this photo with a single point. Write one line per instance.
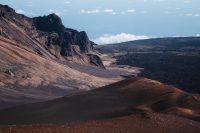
(157, 44)
(175, 61)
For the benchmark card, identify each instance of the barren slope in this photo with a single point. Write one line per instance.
(137, 123)
(119, 99)
(28, 77)
(41, 59)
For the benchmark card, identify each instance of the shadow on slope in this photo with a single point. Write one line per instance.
(118, 99)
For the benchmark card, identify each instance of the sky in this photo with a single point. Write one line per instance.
(112, 21)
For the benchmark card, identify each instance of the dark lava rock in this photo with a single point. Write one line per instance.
(57, 34)
(46, 35)
(50, 23)
(96, 60)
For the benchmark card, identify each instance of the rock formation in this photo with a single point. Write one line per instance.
(48, 37)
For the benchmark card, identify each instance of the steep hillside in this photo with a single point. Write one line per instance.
(131, 96)
(27, 77)
(42, 60)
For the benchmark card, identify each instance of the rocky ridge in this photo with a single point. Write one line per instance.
(48, 37)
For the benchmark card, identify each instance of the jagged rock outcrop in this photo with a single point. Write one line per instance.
(63, 37)
(48, 37)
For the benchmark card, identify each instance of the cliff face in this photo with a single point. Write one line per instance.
(48, 37)
(61, 36)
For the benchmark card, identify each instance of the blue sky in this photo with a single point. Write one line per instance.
(108, 21)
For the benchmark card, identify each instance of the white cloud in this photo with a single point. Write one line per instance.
(122, 37)
(20, 11)
(113, 13)
(131, 10)
(192, 15)
(67, 2)
(108, 10)
(177, 8)
(54, 11)
(83, 11)
(197, 15)
(197, 35)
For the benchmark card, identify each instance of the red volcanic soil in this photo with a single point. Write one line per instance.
(138, 123)
(135, 105)
(115, 100)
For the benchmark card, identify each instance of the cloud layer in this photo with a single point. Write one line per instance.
(122, 37)
(108, 11)
(54, 11)
(20, 11)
